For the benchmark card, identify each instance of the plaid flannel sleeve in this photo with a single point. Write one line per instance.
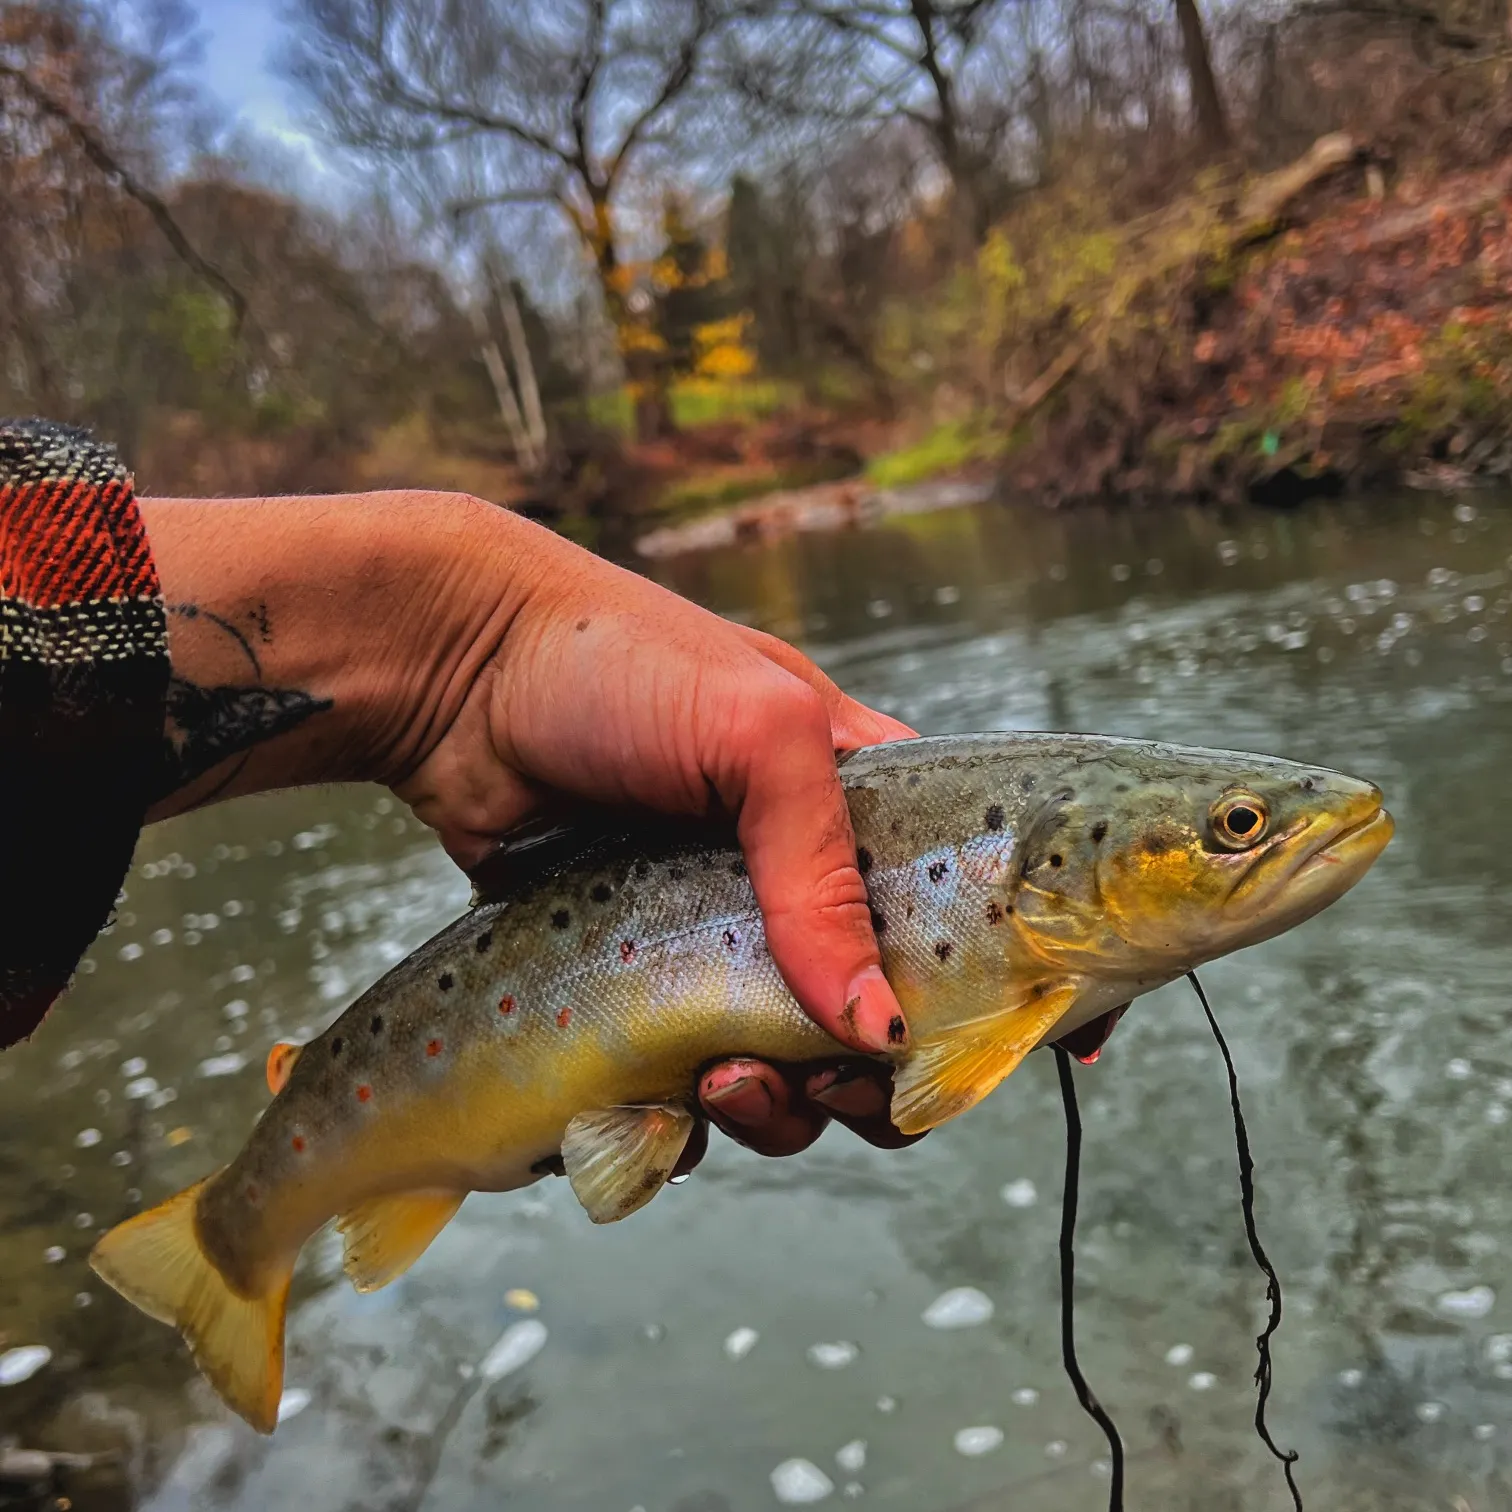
(83, 682)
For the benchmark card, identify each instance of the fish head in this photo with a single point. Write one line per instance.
(1154, 859)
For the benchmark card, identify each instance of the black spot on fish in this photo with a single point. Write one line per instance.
(1099, 830)
(731, 938)
(1307, 784)
(336, 1045)
(897, 1030)
(914, 779)
(1056, 859)
(879, 922)
(1027, 782)
(676, 873)
(1120, 787)
(863, 860)
(602, 892)
(643, 869)
(737, 867)
(994, 912)
(377, 1025)
(444, 981)
(995, 817)
(1156, 845)
(561, 919)
(937, 870)
(627, 951)
(484, 940)
(943, 949)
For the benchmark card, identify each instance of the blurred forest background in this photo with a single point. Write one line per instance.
(602, 257)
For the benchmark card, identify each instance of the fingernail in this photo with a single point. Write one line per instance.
(746, 1100)
(872, 1013)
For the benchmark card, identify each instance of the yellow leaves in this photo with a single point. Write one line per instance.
(721, 348)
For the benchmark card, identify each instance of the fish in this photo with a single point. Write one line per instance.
(1024, 889)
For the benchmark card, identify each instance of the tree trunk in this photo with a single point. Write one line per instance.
(1207, 104)
(519, 350)
(646, 373)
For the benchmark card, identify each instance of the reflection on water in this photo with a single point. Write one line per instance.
(799, 1329)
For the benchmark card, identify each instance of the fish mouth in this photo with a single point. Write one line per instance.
(1086, 1042)
(1355, 844)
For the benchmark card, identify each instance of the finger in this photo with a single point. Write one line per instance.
(860, 1097)
(795, 831)
(752, 1103)
(694, 1151)
(852, 723)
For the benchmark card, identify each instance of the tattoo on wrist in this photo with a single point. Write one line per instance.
(208, 725)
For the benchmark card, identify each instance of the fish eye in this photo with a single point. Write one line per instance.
(1239, 820)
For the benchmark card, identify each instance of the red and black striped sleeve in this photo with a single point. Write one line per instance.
(83, 684)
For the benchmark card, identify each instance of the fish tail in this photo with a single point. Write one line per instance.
(157, 1262)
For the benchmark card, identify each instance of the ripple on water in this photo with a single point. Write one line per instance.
(960, 1307)
(797, 1482)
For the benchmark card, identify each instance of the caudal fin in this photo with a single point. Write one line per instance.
(156, 1262)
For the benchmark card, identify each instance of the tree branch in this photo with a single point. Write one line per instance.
(101, 156)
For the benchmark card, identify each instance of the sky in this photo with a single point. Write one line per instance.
(240, 38)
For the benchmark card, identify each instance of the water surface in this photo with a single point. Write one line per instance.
(1373, 1044)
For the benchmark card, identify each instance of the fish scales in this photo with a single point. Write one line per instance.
(1023, 887)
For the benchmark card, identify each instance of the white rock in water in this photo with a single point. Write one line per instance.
(518, 1345)
(741, 1343)
(852, 1456)
(1474, 1303)
(87, 1139)
(1499, 1348)
(17, 1365)
(133, 1067)
(1025, 1396)
(1429, 1412)
(960, 1307)
(1021, 1193)
(222, 1065)
(292, 1403)
(1179, 1354)
(834, 1356)
(1204, 1380)
(143, 1086)
(796, 1482)
(974, 1441)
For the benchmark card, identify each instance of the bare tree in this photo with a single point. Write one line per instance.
(561, 101)
(870, 60)
(1207, 103)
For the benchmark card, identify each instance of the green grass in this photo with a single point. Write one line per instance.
(954, 444)
(704, 492)
(696, 402)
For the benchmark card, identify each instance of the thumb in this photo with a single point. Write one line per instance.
(795, 830)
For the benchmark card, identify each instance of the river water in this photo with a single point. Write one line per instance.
(770, 1312)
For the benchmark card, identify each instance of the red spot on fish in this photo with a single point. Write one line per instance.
(506, 1004)
(627, 951)
(364, 1093)
(298, 1144)
(433, 1047)
(564, 1018)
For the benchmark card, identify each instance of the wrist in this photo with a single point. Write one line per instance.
(314, 639)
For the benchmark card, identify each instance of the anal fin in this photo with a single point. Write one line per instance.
(618, 1159)
(386, 1235)
(946, 1073)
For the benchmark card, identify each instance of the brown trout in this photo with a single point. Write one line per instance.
(1023, 887)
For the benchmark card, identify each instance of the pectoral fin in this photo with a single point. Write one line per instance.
(949, 1072)
(281, 1060)
(386, 1235)
(618, 1159)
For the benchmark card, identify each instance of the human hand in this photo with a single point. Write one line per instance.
(477, 663)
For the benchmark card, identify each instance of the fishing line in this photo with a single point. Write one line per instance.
(1084, 1393)
(1288, 1457)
